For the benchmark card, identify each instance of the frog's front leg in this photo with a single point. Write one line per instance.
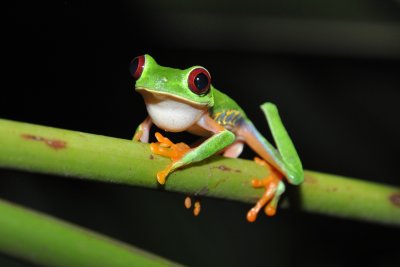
(182, 155)
(142, 131)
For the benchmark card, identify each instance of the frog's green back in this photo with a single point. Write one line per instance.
(223, 102)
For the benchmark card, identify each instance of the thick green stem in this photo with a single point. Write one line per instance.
(46, 241)
(87, 156)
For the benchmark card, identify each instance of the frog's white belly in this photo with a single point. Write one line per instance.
(172, 115)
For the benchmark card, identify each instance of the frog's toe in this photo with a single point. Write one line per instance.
(162, 175)
(164, 147)
(196, 208)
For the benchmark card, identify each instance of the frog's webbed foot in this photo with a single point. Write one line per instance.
(164, 147)
(274, 188)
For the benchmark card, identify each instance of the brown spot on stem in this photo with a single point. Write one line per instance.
(225, 169)
(395, 199)
(331, 189)
(151, 157)
(310, 180)
(52, 143)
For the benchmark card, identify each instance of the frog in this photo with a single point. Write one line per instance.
(180, 100)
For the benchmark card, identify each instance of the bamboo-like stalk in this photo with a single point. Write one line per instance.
(46, 241)
(49, 150)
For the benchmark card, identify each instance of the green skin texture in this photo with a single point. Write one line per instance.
(173, 83)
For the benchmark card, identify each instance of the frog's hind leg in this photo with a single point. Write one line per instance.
(284, 158)
(281, 162)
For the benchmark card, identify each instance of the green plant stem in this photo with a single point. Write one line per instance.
(87, 156)
(46, 241)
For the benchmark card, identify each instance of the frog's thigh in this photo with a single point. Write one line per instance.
(234, 150)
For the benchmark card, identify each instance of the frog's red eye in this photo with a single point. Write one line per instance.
(136, 67)
(199, 81)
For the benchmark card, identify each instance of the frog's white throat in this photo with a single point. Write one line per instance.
(171, 114)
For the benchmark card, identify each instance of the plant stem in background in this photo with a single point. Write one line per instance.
(43, 149)
(46, 241)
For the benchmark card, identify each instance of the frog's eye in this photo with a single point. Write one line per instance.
(136, 67)
(199, 81)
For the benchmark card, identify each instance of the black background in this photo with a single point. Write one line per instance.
(332, 69)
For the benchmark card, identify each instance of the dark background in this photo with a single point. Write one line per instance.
(332, 67)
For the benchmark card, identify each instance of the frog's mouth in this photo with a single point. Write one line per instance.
(145, 92)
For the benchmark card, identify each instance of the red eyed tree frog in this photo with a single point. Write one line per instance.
(185, 100)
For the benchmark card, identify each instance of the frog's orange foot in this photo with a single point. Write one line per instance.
(273, 189)
(164, 147)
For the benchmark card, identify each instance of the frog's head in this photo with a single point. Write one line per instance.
(191, 86)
